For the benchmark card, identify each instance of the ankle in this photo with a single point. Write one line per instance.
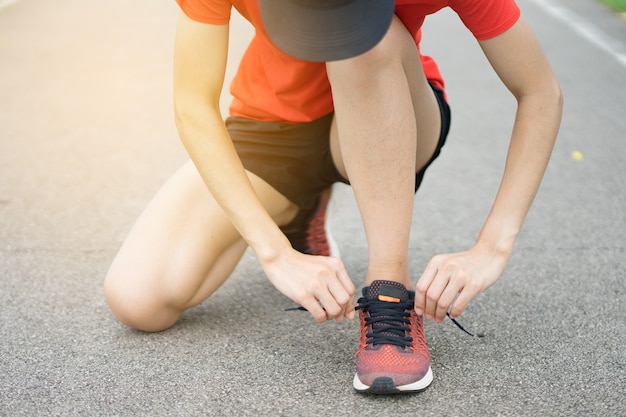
(399, 273)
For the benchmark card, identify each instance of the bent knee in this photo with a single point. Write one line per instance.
(137, 308)
(388, 52)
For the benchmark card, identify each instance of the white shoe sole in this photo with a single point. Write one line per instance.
(386, 386)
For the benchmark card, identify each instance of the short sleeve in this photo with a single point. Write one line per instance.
(486, 19)
(216, 12)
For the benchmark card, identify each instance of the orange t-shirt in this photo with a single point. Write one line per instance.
(272, 86)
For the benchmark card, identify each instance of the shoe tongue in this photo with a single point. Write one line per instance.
(389, 291)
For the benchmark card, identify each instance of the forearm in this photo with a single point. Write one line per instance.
(534, 133)
(208, 143)
(320, 284)
(200, 56)
(450, 281)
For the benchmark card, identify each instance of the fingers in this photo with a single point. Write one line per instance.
(468, 293)
(332, 306)
(446, 299)
(448, 284)
(315, 309)
(343, 291)
(445, 283)
(423, 285)
(330, 294)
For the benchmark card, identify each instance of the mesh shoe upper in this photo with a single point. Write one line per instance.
(308, 232)
(392, 344)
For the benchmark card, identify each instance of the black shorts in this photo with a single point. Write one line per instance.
(295, 158)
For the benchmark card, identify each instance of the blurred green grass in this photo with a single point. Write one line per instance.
(617, 5)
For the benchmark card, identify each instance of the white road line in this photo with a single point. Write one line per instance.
(586, 29)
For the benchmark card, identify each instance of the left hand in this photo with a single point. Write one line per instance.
(464, 274)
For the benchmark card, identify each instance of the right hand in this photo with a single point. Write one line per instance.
(318, 283)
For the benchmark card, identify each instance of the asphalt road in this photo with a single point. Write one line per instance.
(87, 136)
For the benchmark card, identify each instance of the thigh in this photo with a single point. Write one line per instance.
(180, 250)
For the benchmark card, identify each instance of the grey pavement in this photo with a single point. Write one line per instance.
(87, 136)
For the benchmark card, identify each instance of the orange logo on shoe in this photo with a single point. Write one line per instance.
(388, 299)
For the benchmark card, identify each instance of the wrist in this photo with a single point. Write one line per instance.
(499, 245)
(270, 247)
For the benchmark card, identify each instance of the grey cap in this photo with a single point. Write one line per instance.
(326, 30)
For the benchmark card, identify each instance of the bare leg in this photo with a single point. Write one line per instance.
(387, 127)
(181, 249)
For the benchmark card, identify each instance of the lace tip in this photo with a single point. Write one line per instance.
(459, 325)
(296, 308)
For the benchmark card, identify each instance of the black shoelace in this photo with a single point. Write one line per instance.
(383, 318)
(389, 321)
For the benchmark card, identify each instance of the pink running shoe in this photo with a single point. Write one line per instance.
(392, 356)
(309, 231)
